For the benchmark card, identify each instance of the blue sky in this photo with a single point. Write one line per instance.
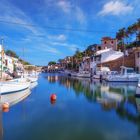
(42, 44)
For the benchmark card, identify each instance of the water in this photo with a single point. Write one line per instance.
(84, 110)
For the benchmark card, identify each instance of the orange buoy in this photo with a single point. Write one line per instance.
(53, 97)
(53, 102)
(5, 107)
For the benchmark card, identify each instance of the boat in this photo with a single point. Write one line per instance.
(84, 74)
(12, 86)
(138, 89)
(127, 75)
(74, 74)
(101, 73)
(32, 79)
(139, 83)
(33, 85)
(15, 97)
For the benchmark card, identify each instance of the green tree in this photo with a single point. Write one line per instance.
(11, 53)
(52, 63)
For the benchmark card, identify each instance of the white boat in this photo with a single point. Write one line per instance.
(139, 83)
(33, 85)
(127, 75)
(10, 87)
(32, 79)
(84, 74)
(101, 73)
(14, 97)
(74, 74)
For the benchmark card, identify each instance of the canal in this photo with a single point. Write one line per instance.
(84, 110)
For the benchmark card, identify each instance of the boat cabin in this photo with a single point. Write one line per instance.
(127, 70)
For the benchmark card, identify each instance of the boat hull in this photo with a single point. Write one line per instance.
(122, 79)
(11, 87)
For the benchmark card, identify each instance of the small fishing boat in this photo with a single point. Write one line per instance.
(127, 75)
(33, 85)
(139, 83)
(84, 74)
(15, 97)
(32, 79)
(101, 73)
(12, 86)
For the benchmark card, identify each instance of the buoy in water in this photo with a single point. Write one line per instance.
(53, 102)
(5, 107)
(53, 97)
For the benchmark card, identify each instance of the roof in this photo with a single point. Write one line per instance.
(108, 38)
(103, 51)
(123, 67)
(109, 55)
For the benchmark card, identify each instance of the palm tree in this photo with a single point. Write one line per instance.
(121, 35)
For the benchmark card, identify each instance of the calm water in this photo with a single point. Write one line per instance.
(84, 110)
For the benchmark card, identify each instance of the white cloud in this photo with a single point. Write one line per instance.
(60, 37)
(46, 48)
(73, 47)
(80, 15)
(72, 10)
(65, 6)
(115, 8)
(11, 13)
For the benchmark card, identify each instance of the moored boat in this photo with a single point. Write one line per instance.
(127, 75)
(139, 83)
(101, 73)
(14, 97)
(10, 87)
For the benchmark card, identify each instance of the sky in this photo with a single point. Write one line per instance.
(40, 31)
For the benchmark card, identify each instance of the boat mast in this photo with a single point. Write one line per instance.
(1, 57)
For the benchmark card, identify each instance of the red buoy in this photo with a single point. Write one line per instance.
(53, 97)
(5, 107)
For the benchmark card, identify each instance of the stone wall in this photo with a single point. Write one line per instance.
(128, 61)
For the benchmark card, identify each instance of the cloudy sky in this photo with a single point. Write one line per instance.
(44, 30)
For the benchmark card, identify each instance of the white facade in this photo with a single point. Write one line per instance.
(9, 63)
(108, 55)
(2, 60)
(85, 64)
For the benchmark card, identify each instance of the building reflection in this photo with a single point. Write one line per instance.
(119, 97)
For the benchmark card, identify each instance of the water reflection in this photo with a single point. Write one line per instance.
(12, 99)
(118, 97)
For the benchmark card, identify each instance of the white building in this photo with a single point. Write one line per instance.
(104, 56)
(9, 63)
(85, 64)
(2, 60)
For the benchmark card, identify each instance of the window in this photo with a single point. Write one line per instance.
(105, 42)
(112, 42)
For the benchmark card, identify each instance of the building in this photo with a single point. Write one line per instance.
(85, 64)
(137, 60)
(2, 59)
(9, 63)
(108, 42)
(104, 57)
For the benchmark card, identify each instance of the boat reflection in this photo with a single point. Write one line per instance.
(118, 97)
(109, 95)
(14, 98)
